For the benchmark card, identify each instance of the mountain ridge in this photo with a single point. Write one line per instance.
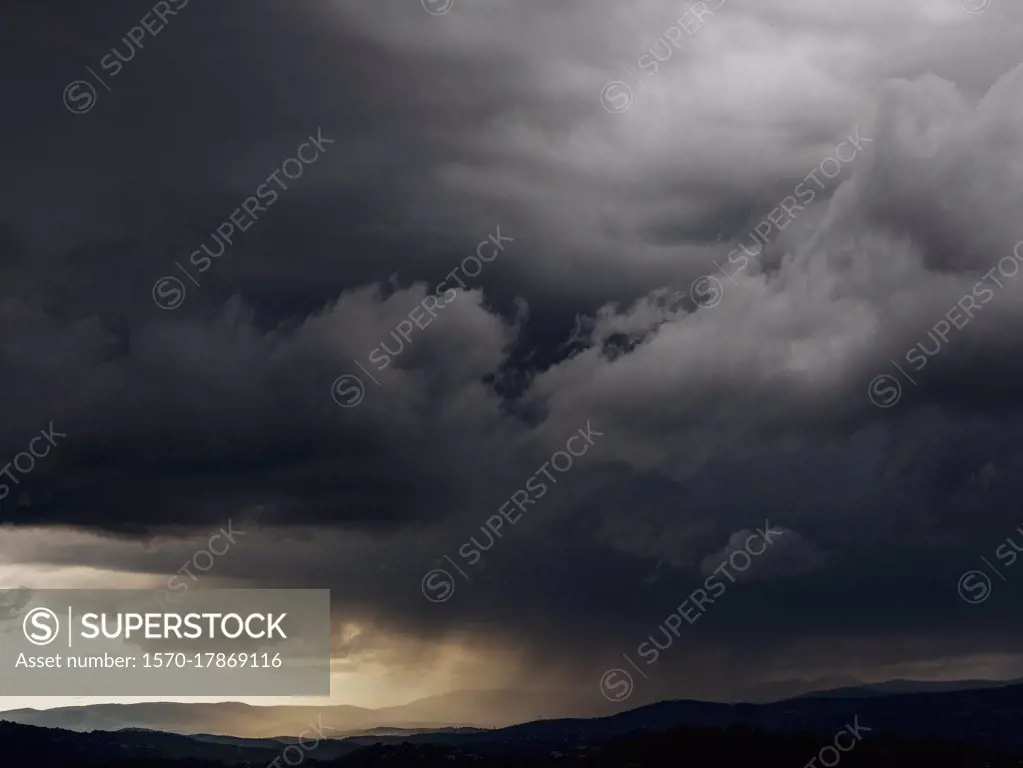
(985, 717)
(432, 715)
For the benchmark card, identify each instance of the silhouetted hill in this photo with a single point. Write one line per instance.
(735, 746)
(779, 690)
(229, 717)
(988, 718)
(891, 687)
(108, 747)
(29, 747)
(26, 746)
(457, 709)
(479, 709)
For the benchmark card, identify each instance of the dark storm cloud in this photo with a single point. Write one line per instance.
(716, 417)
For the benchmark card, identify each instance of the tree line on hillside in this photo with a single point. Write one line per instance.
(31, 747)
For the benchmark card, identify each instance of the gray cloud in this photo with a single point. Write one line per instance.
(716, 417)
(791, 555)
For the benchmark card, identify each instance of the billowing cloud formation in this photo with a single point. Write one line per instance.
(782, 285)
(791, 555)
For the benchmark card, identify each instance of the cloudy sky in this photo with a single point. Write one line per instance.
(760, 252)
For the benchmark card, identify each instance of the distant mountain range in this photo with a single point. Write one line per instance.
(142, 744)
(987, 716)
(472, 709)
(910, 686)
(790, 689)
(850, 687)
(483, 709)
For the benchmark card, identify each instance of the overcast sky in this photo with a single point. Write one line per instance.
(603, 159)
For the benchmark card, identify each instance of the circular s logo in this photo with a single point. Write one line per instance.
(974, 587)
(438, 586)
(438, 7)
(974, 7)
(616, 685)
(168, 293)
(79, 97)
(41, 626)
(884, 390)
(348, 390)
(616, 97)
(706, 292)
